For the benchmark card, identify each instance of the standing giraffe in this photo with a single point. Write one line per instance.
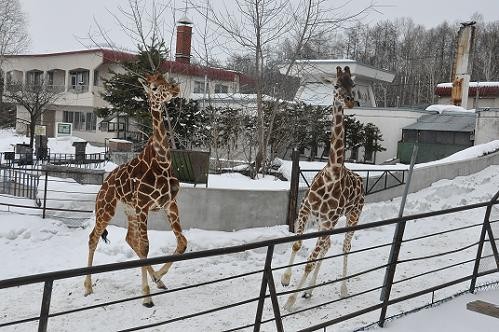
(335, 191)
(144, 183)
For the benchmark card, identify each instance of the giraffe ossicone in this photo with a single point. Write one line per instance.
(143, 184)
(335, 191)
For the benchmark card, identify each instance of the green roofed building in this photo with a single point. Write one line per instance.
(438, 135)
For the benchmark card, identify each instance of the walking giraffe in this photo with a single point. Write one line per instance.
(335, 191)
(143, 184)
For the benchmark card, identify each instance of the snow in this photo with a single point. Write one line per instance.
(9, 138)
(30, 244)
(472, 84)
(443, 108)
(44, 245)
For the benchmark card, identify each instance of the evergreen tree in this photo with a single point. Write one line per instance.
(127, 98)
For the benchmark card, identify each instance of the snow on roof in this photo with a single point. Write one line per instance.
(442, 108)
(247, 97)
(472, 84)
(484, 89)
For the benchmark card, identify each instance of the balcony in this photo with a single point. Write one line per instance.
(79, 88)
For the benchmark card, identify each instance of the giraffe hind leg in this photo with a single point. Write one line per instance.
(301, 221)
(352, 220)
(309, 267)
(102, 218)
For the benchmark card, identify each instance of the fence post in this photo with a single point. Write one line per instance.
(45, 308)
(293, 189)
(45, 193)
(396, 244)
(485, 229)
(268, 279)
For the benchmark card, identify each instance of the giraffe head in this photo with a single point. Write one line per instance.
(344, 86)
(158, 90)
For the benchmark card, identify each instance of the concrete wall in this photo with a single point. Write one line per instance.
(423, 177)
(221, 209)
(228, 209)
(487, 126)
(80, 175)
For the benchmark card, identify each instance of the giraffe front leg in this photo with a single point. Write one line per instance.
(173, 217)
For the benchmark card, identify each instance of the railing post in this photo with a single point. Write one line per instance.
(268, 279)
(396, 244)
(45, 308)
(367, 183)
(293, 190)
(485, 229)
(45, 193)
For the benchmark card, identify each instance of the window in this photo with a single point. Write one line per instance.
(79, 81)
(96, 77)
(82, 121)
(34, 77)
(198, 87)
(50, 78)
(221, 88)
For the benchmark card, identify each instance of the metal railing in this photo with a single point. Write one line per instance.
(11, 159)
(55, 193)
(469, 271)
(375, 180)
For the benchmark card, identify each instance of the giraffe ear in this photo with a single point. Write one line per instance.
(347, 70)
(338, 72)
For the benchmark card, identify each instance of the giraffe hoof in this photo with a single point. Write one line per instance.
(307, 295)
(285, 279)
(148, 304)
(160, 284)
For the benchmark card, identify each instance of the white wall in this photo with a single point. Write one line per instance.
(487, 126)
(390, 122)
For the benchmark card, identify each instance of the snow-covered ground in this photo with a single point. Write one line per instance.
(64, 144)
(29, 244)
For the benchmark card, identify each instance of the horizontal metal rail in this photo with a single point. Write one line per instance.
(267, 278)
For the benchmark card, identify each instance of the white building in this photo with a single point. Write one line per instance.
(317, 78)
(78, 75)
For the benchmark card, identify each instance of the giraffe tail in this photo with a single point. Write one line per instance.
(104, 236)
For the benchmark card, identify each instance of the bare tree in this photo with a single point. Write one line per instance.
(259, 26)
(13, 34)
(34, 97)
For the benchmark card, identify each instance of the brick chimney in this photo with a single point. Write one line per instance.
(184, 34)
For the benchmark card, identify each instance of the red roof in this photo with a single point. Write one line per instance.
(485, 90)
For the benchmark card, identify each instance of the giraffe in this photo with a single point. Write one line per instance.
(143, 184)
(335, 191)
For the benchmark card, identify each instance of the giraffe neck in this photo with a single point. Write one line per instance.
(160, 137)
(337, 144)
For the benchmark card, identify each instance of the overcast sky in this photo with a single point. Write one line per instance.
(60, 25)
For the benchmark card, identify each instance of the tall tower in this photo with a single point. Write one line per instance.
(461, 68)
